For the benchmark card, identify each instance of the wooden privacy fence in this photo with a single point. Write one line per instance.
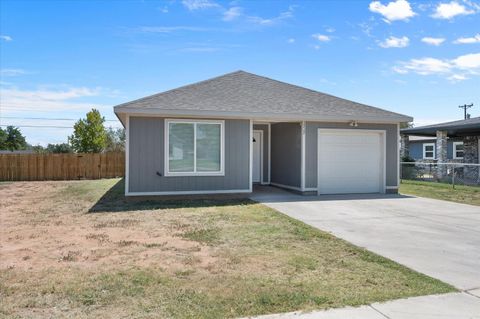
(39, 167)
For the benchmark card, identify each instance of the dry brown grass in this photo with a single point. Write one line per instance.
(78, 249)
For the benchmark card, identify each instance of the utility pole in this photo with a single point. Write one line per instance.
(465, 107)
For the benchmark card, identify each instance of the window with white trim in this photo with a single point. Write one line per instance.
(428, 150)
(458, 150)
(194, 148)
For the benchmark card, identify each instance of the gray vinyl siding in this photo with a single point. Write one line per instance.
(146, 158)
(311, 136)
(264, 128)
(286, 154)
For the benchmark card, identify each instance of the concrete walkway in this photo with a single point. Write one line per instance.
(448, 306)
(437, 238)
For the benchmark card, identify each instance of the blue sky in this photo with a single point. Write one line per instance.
(58, 59)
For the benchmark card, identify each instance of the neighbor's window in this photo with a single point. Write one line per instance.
(457, 150)
(429, 150)
(194, 147)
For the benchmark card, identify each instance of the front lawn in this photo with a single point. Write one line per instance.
(460, 194)
(78, 249)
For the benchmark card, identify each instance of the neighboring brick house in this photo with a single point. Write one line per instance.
(424, 149)
(457, 141)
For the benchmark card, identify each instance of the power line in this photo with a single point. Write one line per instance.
(38, 126)
(44, 118)
(465, 107)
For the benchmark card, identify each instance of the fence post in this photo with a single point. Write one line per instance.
(453, 176)
(400, 171)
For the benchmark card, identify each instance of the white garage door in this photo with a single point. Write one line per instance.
(350, 161)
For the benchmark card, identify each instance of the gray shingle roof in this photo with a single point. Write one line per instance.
(245, 94)
(468, 126)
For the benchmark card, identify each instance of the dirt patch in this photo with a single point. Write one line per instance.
(44, 228)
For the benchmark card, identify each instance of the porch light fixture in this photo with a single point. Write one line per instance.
(353, 123)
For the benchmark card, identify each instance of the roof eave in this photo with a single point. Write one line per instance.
(465, 128)
(122, 111)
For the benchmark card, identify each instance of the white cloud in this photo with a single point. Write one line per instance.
(400, 70)
(367, 27)
(235, 13)
(394, 42)
(468, 62)
(474, 39)
(12, 72)
(272, 21)
(454, 69)
(424, 66)
(433, 41)
(291, 40)
(193, 5)
(232, 13)
(393, 11)
(457, 77)
(49, 102)
(163, 9)
(43, 99)
(6, 38)
(330, 30)
(321, 37)
(450, 10)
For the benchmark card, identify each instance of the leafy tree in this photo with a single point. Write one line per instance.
(115, 140)
(3, 139)
(38, 149)
(406, 125)
(59, 148)
(89, 134)
(12, 139)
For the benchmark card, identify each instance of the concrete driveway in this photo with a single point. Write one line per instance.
(437, 238)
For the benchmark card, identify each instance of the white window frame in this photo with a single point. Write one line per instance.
(425, 151)
(221, 172)
(455, 144)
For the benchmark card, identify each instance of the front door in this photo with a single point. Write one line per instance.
(257, 156)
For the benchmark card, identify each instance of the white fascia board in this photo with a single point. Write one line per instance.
(259, 116)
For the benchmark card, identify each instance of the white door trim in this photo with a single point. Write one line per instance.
(383, 162)
(250, 164)
(399, 142)
(302, 161)
(270, 152)
(127, 153)
(261, 155)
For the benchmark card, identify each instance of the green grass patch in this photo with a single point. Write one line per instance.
(192, 259)
(460, 194)
(208, 236)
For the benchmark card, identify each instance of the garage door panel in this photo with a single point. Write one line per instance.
(350, 161)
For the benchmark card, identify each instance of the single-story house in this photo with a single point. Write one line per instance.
(225, 134)
(457, 141)
(450, 142)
